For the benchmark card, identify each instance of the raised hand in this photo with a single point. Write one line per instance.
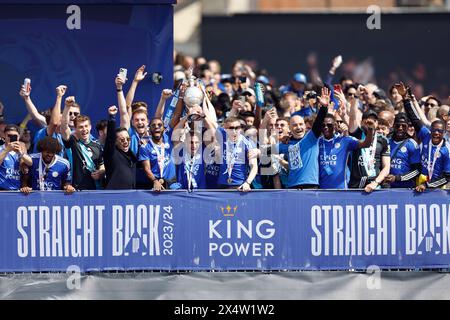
(112, 110)
(70, 101)
(61, 91)
(337, 61)
(370, 123)
(166, 94)
(238, 105)
(140, 74)
(25, 92)
(324, 99)
(119, 82)
(401, 88)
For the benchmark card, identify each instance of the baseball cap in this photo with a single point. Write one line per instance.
(370, 113)
(249, 91)
(179, 75)
(300, 77)
(263, 79)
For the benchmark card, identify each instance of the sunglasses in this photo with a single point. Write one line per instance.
(400, 125)
(123, 140)
(76, 114)
(437, 130)
(234, 128)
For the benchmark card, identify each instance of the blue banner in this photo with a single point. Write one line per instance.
(267, 230)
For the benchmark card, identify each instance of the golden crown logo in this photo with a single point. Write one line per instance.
(227, 211)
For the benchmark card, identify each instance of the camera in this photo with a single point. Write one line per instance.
(311, 95)
(156, 77)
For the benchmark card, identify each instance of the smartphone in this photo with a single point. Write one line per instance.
(337, 87)
(12, 137)
(27, 84)
(123, 73)
(242, 99)
(243, 79)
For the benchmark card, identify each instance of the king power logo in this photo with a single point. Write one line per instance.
(235, 235)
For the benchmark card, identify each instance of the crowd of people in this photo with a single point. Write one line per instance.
(238, 131)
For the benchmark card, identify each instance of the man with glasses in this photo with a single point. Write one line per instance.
(120, 161)
(156, 156)
(12, 155)
(49, 171)
(334, 150)
(435, 172)
(232, 153)
(405, 155)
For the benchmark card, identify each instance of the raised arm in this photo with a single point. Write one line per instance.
(110, 132)
(124, 115)
(65, 130)
(165, 94)
(324, 100)
(409, 108)
(367, 142)
(38, 118)
(178, 108)
(354, 119)
(55, 119)
(420, 112)
(138, 77)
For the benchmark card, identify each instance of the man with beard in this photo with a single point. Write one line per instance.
(405, 156)
(156, 157)
(334, 150)
(435, 172)
(48, 171)
(371, 165)
(302, 149)
(87, 160)
(120, 162)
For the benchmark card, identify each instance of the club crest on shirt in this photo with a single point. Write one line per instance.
(403, 149)
(337, 145)
(55, 174)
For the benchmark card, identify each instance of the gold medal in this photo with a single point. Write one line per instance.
(161, 181)
(229, 181)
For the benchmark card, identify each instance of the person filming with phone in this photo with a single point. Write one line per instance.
(12, 155)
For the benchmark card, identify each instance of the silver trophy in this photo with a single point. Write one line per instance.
(193, 94)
